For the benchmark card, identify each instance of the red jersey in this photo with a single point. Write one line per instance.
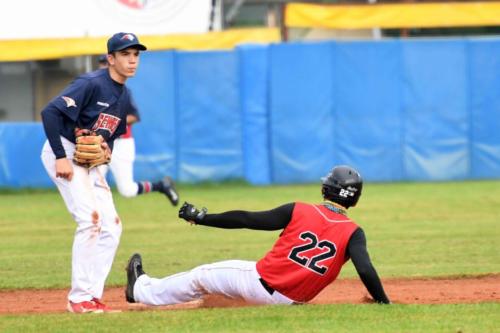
(309, 254)
(128, 133)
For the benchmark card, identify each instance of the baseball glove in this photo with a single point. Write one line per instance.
(192, 214)
(91, 149)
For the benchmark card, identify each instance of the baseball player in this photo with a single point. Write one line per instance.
(122, 160)
(316, 241)
(81, 124)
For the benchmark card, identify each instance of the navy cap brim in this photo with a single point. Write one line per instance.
(131, 45)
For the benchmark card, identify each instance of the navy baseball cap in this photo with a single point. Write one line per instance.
(103, 59)
(124, 40)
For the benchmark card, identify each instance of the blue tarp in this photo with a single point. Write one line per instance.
(484, 108)
(254, 96)
(435, 97)
(209, 122)
(367, 108)
(154, 90)
(301, 111)
(285, 113)
(20, 149)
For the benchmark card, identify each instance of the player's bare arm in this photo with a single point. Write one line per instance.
(131, 119)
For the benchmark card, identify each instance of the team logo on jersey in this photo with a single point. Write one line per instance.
(69, 101)
(103, 104)
(107, 122)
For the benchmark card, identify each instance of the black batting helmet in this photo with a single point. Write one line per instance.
(342, 185)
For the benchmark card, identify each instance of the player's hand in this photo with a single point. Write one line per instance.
(107, 151)
(192, 214)
(64, 168)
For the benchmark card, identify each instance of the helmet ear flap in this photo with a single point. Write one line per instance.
(333, 194)
(326, 192)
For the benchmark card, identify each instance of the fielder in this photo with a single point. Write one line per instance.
(317, 240)
(122, 160)
(81, 125)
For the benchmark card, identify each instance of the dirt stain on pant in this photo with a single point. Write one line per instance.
(95, 217)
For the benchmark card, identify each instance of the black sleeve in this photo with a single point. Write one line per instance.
(52, 121)
(356, 249)
(274, 219)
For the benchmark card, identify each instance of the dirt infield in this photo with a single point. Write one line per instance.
(347, 291)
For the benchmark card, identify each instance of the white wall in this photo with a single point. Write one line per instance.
(32, 19)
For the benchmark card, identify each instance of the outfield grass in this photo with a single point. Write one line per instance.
(413, 229)
(318, 318)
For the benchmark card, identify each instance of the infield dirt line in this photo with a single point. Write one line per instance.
(343, 291)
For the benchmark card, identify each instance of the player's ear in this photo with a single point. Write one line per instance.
(111, 58)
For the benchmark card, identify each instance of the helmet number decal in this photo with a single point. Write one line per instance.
(345, 193)
(311, 262)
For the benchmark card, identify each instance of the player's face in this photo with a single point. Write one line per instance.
(123, 64)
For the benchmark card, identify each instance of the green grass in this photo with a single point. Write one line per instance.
(413, 229)
(318, 318)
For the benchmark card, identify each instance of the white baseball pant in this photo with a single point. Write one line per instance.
(89, 200)
(122, 167)
(231, 278)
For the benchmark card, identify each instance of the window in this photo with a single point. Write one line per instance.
(26, 87)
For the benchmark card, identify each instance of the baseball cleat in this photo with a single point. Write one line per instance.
(101, 306)
(134, 270)
(167, 187)
(83, 307)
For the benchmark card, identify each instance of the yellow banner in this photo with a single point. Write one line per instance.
(415, 15)
(40, 49)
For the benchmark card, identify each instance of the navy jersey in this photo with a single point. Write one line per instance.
(133, 110)
(92, 101)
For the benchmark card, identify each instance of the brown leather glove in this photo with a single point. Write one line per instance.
(91, 149)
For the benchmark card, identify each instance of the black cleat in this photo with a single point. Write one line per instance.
(167, 187)
(134, 270)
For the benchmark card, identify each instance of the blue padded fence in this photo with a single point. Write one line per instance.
(284, 113)
(435, 112)
(20, 150)
(155, 96)
(367, 108)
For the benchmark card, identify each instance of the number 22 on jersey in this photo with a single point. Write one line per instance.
(313, 262)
